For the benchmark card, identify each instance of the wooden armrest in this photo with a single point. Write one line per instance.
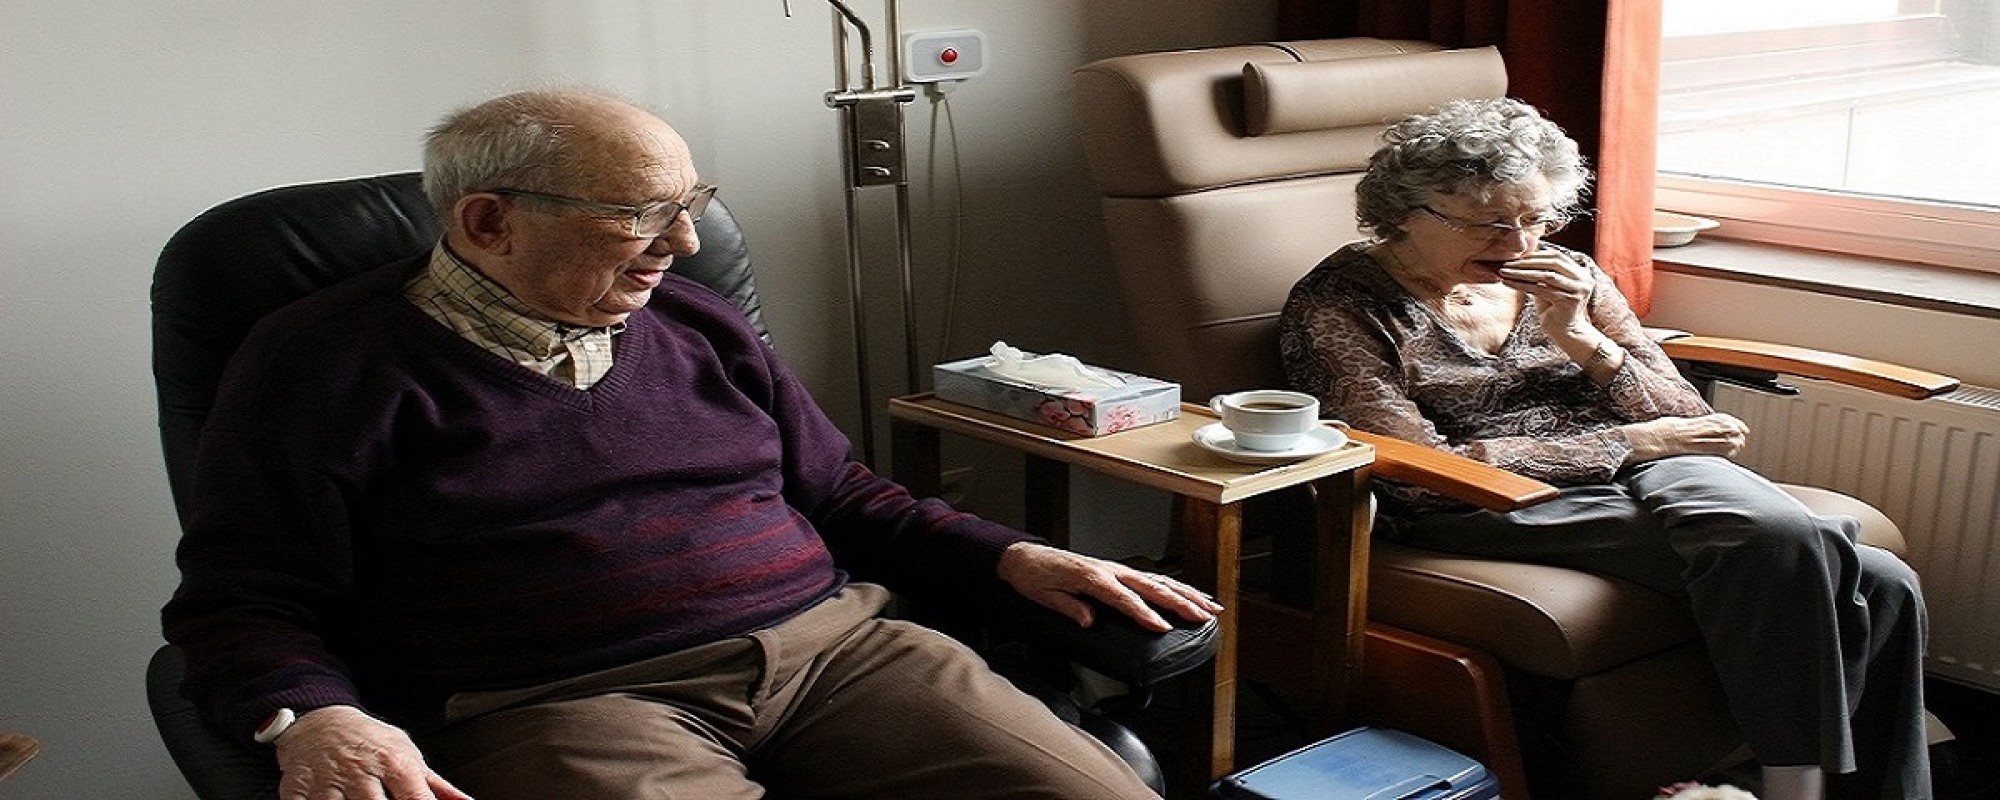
(1452, 475)
(1877, 376)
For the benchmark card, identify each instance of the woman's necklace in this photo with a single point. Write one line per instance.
(1439, 295)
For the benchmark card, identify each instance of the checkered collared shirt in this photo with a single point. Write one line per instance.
(462, 299)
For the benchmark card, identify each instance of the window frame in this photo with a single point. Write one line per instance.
(1951, 235)
(1938, 232)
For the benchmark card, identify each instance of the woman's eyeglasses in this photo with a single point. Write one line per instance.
(1540, 226)
(648, 221)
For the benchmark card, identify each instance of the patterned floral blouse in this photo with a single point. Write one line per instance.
(1383, 362)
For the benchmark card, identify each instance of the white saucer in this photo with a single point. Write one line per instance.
(1218, 440)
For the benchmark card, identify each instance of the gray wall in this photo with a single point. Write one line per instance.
(121, 120)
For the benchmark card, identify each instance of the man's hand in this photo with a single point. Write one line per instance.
(1058, 578)
(338, 752)
(1715, 434)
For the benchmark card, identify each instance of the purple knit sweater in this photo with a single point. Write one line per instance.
(384, 513)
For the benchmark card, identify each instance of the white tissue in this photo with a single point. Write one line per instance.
(1053, 370)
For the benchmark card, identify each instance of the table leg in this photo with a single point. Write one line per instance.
(1345, 520)
(1212, 561)
(914, 460)
(1047, 499)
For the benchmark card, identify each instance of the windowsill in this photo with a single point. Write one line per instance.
(1881, 280)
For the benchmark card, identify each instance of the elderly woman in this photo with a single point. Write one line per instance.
(1458, 327)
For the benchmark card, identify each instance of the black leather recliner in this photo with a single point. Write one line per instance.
(245, 258)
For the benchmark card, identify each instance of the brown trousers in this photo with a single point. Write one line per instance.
(834, 703)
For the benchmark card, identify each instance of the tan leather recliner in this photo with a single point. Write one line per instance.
(1227, 174)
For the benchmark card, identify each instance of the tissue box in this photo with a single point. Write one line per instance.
(1092, 412)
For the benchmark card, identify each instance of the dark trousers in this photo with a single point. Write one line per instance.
(1818, 641)
(834, 703)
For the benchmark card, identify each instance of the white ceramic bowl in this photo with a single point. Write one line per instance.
(1673, 230)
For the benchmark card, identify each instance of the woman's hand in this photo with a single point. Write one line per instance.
(338, 751)
(1561, 288)
(1715, 434)
(1056, 578)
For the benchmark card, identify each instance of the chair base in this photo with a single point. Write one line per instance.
(1452, 695)
(1621, 732)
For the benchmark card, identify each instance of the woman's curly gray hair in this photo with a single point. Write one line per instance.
(1466, 146)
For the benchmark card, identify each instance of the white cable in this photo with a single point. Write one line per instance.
(940, 101)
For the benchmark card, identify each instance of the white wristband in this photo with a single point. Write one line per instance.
(280, 721)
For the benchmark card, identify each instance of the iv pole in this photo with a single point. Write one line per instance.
(872, 154)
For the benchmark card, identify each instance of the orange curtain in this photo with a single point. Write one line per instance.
(1591, 65)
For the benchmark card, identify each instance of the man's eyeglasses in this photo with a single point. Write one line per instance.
(648, 221)
(1538, 227)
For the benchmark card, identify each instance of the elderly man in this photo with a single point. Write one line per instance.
(489, 524)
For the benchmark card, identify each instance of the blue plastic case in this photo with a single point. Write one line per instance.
(1364, 764)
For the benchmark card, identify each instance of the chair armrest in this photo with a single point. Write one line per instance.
(1452, 475)
(1877, 376)
(1114, 645)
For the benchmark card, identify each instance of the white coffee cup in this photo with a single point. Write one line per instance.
(1267, 419)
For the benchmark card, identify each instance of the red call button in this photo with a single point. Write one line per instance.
(948, 55)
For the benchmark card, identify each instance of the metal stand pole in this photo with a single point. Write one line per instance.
(871, 131)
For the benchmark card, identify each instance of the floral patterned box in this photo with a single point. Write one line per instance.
(1136, 400)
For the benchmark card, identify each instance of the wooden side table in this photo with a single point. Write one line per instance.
(1208, 491)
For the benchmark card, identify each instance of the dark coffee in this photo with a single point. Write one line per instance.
(1272, 405)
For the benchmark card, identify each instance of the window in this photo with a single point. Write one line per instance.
(1861, 126)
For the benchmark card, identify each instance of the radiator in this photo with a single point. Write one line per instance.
(1932, 466)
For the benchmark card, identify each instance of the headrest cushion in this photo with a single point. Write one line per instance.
(1292, 97)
